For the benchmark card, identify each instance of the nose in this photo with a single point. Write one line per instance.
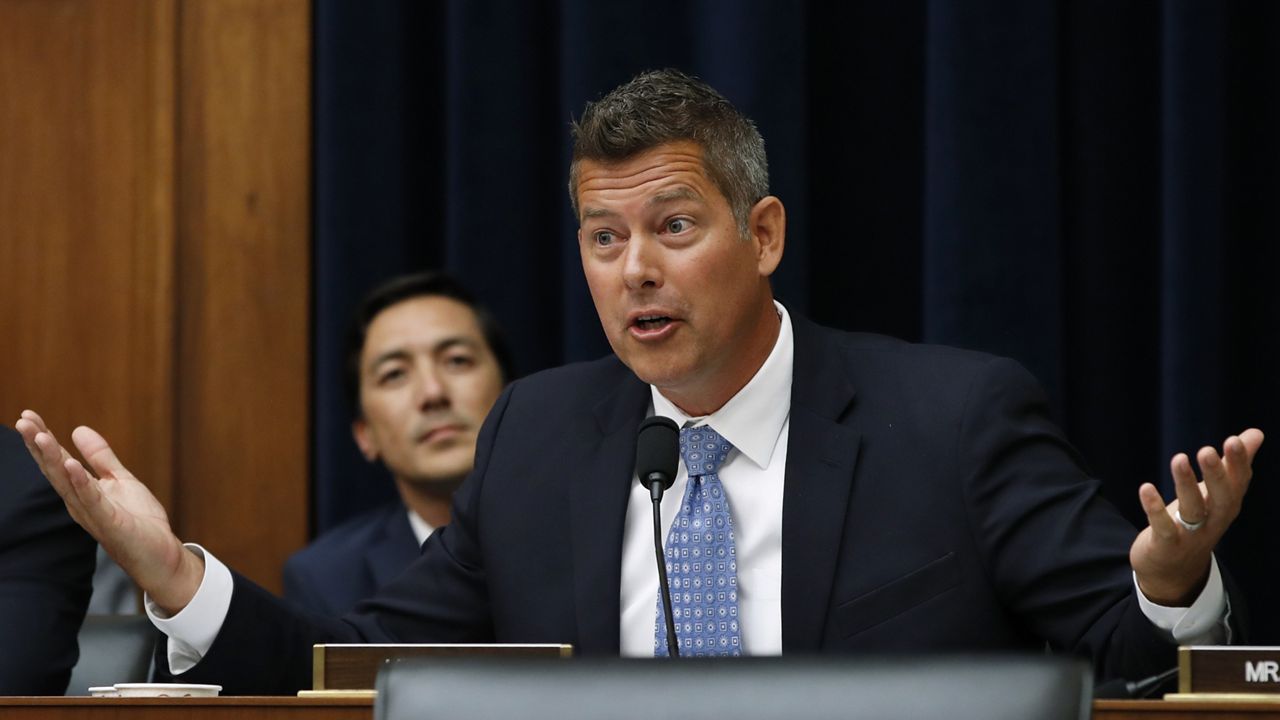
(432, 391)
(642, 264)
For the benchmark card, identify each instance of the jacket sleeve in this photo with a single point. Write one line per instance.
(265, 644)
(1056, 551)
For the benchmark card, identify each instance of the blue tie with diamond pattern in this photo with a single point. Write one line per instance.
(702, 565)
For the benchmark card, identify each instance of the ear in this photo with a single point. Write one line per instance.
(364, 439)
(768, 226)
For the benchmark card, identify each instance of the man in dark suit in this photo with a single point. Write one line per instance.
(46, 572)
(352, 561)
(424, 364)
(851, 493)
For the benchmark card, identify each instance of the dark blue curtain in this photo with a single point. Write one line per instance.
(1088, 187)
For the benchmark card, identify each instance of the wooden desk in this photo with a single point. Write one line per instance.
(221, 708)
(1182, 710)
(292, 708)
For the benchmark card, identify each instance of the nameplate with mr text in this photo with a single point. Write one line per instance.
(1226, 669)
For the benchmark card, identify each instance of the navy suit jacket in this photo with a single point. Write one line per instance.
(352, 561)
(930, 505)
(46, 576)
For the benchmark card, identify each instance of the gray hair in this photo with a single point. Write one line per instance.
(663, 106)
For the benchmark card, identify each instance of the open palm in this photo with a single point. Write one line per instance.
(116, 509)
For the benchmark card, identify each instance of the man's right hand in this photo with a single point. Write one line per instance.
(117, 510)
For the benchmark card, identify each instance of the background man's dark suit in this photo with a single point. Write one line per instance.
(46, 573)
(352, 561)
(930, 506)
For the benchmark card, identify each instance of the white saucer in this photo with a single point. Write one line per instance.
(103, 691)
(166, 690)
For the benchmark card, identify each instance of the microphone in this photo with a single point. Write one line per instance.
(657, 454)
(1121, 689)
(657, 457)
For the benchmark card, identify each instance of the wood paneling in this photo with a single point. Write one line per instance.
(87, 222)
(243, 269)
(154, 250)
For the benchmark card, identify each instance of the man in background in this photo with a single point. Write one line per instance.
(46, 567)
(424, 363)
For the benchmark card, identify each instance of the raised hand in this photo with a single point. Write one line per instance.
(1171, 556)
(117, 510)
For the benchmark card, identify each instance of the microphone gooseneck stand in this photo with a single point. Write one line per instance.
(657, 458)
(673, 645)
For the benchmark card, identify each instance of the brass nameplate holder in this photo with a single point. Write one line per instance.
(1212, 672)
(353, 669)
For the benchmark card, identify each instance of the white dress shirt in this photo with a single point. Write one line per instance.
(756, 421)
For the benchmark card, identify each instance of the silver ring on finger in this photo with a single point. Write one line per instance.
(1189, 526)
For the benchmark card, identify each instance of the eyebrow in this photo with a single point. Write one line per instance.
(402, 353)
(679, 193)
(666, 196)
(590, 213)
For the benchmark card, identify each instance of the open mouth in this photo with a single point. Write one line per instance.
(649, 323)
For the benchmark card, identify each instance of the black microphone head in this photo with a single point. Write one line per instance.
(657, 451)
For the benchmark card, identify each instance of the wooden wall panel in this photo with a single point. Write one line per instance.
(243, 280)
(154, 250)
(87, 221)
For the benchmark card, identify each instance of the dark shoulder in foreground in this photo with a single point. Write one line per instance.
(862, 352)
(46, 573)
(932, 388)
(873, 343)
(22, 479)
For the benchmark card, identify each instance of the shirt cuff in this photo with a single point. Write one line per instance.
(192, 631)
(1204, 623)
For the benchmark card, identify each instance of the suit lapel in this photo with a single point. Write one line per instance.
(598, 508)
(395, 549)
(821, 455)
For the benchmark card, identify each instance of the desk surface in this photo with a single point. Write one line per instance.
(220, 708)
(292, 708)
(1182, 710)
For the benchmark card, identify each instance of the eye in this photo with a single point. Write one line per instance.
(459, 362)
(677, 225)
(604, 238)
(390, 376)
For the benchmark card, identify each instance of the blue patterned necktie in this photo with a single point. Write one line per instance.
(702, 565)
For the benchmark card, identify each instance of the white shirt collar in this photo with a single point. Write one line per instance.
(753, 418)
(421, 528)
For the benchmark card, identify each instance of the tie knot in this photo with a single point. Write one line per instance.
(703, 450)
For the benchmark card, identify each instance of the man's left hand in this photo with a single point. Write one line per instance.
(1171, 556)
